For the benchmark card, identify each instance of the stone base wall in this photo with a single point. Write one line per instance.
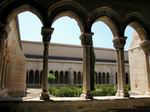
(116, 105)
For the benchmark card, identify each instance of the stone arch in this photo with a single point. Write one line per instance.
(23, 8)
(41, 73)
(96, 78)
(66, 77)
(27, 77)
(31, 77)
(79, 78)
(69, 8)
(61, 77)
(103, 78)
(107, 78)
(75, 77)
(127, 78)
(37, 77)
(136, 21)
(109, 17)
(99, 78)
(56, 77)
(51, 81)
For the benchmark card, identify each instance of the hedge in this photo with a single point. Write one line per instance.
(73, 91)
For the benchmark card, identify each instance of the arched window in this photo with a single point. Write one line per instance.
(116, 78)
(75, 77)
(27, 78)
(66, 77)
(41, 77)
(99, 78)
(50, 81)
(61, 77)
(79, 78)
(56, 77)
(108, 78)
(103, 78)
(31, 77)
(127, 78)
(37, 77)
(96, 78)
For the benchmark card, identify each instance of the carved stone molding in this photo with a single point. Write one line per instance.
(46, 33)
(4, 30)
(119, 42)
(145, 45)
(86, 39)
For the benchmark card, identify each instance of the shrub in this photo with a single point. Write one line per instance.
(104, 90)
(73, 91)
(65, 91)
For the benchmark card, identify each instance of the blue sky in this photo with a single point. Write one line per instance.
(66, 31)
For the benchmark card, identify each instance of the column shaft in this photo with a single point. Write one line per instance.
(86, 40)
(119, 43)
(86, 69)
(45, 73)
(46, 33)
(148, 71)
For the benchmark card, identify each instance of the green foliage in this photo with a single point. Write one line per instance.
(51, 77)
(73, 91)
(65, 91)
(104, 90)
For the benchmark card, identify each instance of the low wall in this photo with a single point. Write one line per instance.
(74, 106)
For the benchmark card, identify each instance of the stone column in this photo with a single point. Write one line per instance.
(145, 45)
(119, 43)
(86, 43)
(46, 33)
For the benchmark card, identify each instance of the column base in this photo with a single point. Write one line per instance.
(86, 95)
(122, 93)
(44, 96)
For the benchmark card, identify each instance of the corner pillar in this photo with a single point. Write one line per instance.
(119, 43)
(86, 44)
(145, 45)
(46, 33)
(4, 31)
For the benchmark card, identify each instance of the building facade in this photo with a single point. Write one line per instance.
(66, 63)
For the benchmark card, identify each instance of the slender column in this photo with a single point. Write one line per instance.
(145, 45)
(86, 43)
(119, 43)
(46, 33)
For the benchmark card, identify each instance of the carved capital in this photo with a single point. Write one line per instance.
(119, 42)
(4, 30)
(46, 33)
(145, 45)
(86, 38)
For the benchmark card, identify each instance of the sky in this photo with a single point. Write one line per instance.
(67, 31)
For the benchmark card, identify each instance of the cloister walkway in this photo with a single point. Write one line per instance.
(34, 93)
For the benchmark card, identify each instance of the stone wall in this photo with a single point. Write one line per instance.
(137, 62)
(16, 66)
